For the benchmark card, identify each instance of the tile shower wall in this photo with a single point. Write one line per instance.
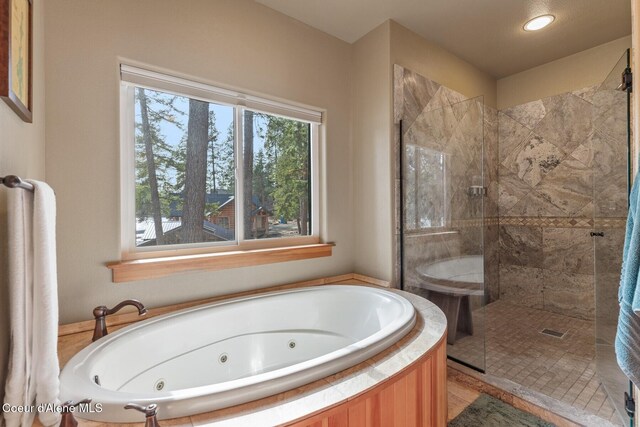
(442, 120)
(548, 152)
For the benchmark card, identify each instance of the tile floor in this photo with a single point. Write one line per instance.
(562, 368)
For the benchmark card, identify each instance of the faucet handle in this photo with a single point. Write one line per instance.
(71, 404)
(68, 419)
(150, 412)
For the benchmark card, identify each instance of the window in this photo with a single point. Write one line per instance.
(223, 221)
(206, 167)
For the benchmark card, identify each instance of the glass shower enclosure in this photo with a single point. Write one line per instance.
(611, 177)
(448, 217)
(443, 192)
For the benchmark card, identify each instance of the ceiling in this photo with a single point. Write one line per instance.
(486, 33)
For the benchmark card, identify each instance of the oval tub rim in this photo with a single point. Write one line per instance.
(84, 357)
(287, 407)
(322, 395)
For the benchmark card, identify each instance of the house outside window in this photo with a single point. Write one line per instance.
(223, 221)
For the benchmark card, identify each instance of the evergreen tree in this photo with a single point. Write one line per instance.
(262, 184)
(226, 163)
(248, 173)
(196, 172)
(214, 156)
(288, 144)
(153, 157)
(181, 173)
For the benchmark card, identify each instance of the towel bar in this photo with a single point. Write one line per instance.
(13, 181)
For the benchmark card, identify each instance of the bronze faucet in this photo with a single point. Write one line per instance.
(150, 413)
(67, 414)
(101, 312)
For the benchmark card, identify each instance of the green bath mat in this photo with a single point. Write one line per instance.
(489, 412)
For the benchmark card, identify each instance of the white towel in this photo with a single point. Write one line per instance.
(33, 289)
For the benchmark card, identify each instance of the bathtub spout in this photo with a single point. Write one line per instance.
(150, 412)
(100, 313)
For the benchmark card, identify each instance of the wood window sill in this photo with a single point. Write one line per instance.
(153, 268)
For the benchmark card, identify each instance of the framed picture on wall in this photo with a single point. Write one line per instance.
(16, 45)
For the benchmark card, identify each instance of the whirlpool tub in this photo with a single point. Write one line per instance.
(230, 352)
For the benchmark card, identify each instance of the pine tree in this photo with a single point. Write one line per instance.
(152, 179)
(181, 174)
(214, 155)
(226, 162)
(153, 157)
(287, 142)
(248, 174)
(262, 185)
(196, 172)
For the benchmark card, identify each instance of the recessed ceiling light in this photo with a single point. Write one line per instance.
(539, 23)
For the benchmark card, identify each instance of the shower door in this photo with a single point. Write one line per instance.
(443, 192)
(610, 148)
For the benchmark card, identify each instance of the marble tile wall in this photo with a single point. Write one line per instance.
(561, 159)
(436, 119)
(491, 205)
(541, 163)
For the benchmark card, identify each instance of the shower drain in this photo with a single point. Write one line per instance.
(159, 385)
(553, 333)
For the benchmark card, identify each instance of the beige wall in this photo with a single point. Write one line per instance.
(21, 153)
(233, 42)
(371, 104)
(573, 72)
(417, 54)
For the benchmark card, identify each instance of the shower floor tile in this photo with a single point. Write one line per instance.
(561, 368)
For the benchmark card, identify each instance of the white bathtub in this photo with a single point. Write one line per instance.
(223, 354)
